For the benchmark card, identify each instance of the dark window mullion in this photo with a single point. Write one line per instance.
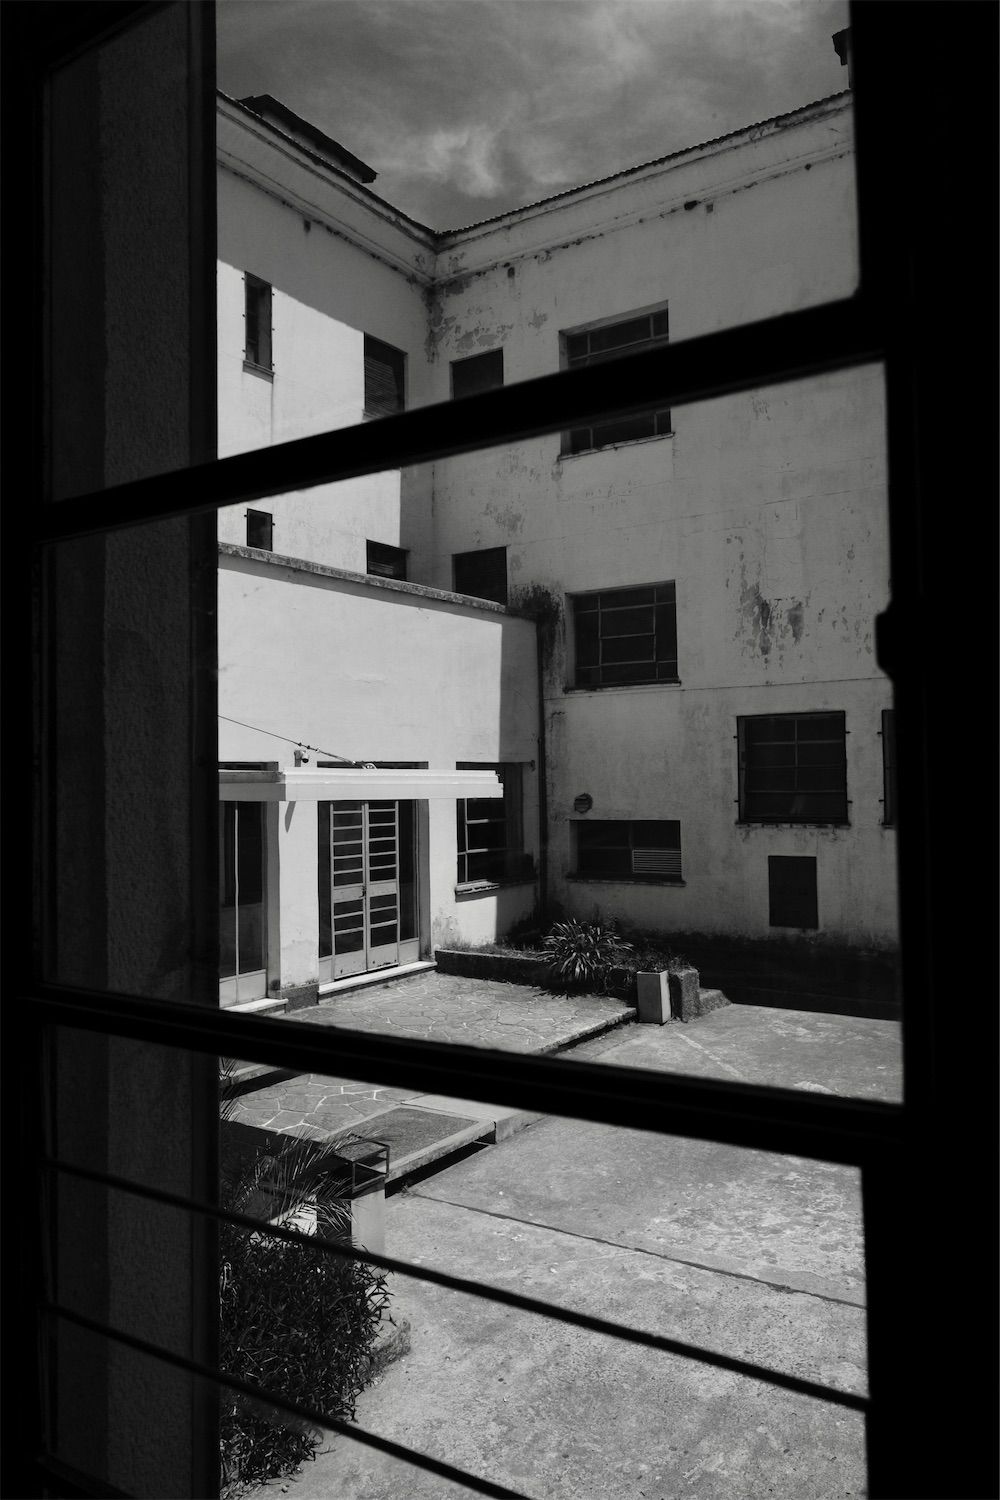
(813, 341)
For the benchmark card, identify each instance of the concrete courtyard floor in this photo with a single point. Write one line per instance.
(744, 1252)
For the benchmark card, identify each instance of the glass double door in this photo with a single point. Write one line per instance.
(367, 890)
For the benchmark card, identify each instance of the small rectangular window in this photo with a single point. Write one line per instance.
(793, 768)
(791, 889)
(483, 575)
(257, 352)
(385, 561)
(260, 530)
(889, 767)
(626, 636)
(384, 378)
(491, 831)
(620, 850)
(480, 372)
(593, 346)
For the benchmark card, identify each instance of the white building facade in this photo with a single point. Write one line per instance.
(656, 635)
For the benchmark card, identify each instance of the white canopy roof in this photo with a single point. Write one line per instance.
(354, 784)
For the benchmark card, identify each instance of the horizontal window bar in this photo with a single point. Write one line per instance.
(766, 1119)
(792, 347)
(291, 1408)
(473, 1288)
(71, 1482)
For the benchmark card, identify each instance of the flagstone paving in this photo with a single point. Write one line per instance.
(478, 1012)
(435, 1007)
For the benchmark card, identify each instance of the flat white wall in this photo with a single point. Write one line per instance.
(374, 673)
(327, 294)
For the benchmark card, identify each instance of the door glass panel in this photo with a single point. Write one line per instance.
(407, 870)
(241, 888)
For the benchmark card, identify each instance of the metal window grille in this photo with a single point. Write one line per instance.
(793, 768)
(626, 635)
(899, 1150)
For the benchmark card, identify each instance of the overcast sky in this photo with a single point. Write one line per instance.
(466, 108)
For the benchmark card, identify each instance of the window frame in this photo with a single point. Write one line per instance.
(477, 360)
(480, 553)
(374, 350)
(580, 440)
(519, 867)
(264, 519)
(400, 558)
(890, 793)
(810, 818)
(632, 876)
(582, 606)
(949, 1098)
(261, 359)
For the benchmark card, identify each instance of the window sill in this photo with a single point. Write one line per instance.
(624, 687)
(658, 437)
(622, 880)
(791, 823)
(485, 887)
(262, 370)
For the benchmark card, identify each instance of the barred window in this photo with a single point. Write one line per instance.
(490, 830)
(626, 635)
(793, 768)
(593, 346)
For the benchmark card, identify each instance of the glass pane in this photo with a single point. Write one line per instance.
(403, 311)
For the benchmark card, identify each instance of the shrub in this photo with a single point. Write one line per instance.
(295, 1321)
(650, 958)
(580, 955)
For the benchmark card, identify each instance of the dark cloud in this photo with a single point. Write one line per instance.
(467, 108)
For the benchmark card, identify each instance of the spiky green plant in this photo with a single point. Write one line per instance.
(580, 955)
(294, 1320)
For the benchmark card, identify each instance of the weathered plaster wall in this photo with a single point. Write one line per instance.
(374, 673)
(768, 509)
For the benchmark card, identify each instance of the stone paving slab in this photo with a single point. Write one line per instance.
(438, 1007)
(478, 1012)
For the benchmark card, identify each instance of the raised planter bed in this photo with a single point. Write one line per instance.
(509, 968)
(678, 995)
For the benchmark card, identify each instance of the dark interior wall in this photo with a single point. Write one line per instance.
(129, 734)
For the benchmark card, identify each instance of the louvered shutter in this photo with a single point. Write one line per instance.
(383, 378)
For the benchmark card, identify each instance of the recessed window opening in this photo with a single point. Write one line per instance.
(793, 768)
(483, 575)
(612, 849)
(384, 561)
(791, 887)
(242, 929)
(480, 372)
(889, 767)
(610, 341)
(490, 831)
(385, 371)
(626, 636)
(258, 323)
(260, 530)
